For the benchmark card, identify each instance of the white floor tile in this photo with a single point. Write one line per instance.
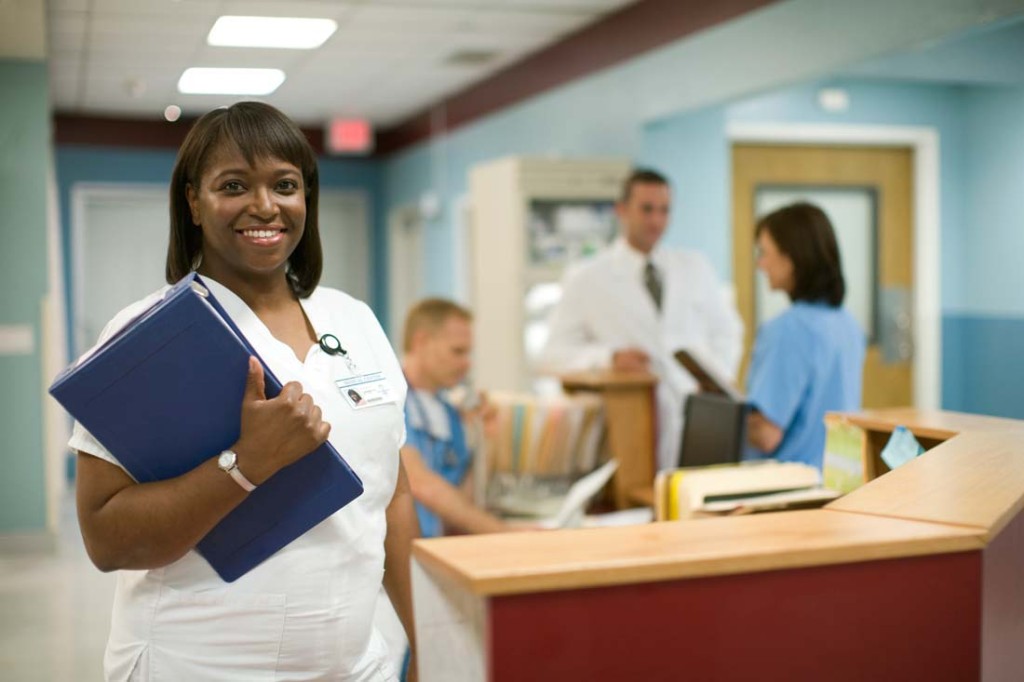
(54, 611)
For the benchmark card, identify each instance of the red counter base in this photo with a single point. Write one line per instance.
(905, 619)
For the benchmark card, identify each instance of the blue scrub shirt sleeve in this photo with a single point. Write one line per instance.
(780, 373)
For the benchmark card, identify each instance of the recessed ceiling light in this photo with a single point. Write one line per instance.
(204, 81)
(172, 113)
(283, 32)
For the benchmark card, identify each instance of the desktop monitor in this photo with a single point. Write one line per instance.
(714, 431)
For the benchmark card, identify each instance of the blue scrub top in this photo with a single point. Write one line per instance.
(807, 361)
(448, 458)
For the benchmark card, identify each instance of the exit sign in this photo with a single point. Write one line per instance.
(349, 136)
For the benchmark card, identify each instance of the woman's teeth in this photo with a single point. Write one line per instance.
(260, 234)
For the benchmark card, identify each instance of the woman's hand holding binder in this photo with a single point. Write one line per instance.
(278, 431)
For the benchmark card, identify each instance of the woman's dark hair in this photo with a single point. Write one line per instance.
(803, 232)
(259, 131)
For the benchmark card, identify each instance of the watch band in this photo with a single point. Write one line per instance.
(228, 462)
(241, 480)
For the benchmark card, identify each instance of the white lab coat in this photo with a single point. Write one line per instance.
(306, 612)
(606, 307)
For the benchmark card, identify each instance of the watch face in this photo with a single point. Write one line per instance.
(226, 460)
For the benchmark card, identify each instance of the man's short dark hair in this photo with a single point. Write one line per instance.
(641, 176)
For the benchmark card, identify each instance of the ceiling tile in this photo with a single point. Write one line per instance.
(140, 27)
(65, 65)
(545, 23)
(591, 5)
(163, 8)
(325, 9)
(387, 56)
(236, 57)
(384, 19)
(63, 5)
(67, 22)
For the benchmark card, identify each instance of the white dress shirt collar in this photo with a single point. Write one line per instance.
(633, 259)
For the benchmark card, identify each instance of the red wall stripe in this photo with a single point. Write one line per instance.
(71, 129)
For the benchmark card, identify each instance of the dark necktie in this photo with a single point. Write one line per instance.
(652, 280)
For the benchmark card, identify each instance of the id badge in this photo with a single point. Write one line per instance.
(366, 390)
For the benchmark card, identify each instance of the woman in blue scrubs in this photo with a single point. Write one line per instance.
(809, 359)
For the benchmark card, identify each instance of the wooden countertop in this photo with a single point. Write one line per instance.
(975, 478)
(936, 424)
(954, 498)
(537, 561)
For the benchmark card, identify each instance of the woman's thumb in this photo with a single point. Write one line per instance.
(254, 381)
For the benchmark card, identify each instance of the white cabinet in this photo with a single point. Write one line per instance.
(531, 218)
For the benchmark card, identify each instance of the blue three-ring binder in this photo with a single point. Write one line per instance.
(164, 395)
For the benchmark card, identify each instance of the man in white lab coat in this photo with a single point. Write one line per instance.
(635, 303)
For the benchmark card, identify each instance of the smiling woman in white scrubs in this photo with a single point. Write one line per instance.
(244, 215)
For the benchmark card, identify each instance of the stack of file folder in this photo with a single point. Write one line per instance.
(556, 436)
(540, 449)
(164, 395)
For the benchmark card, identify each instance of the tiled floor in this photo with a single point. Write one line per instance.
(54, 611)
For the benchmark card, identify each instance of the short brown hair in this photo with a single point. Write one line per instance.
(803, 232)
(641, 176)
(259, 131)
(430, 314)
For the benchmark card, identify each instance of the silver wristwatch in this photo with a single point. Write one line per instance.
(228, 462)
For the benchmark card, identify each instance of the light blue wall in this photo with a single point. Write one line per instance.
(994, 234)
(97, 164)
(88, 164)
(981, 138)
(24, 175)
(695, 158)
(693, 149)
(904, 104)
(591, 117)
(981, 147)
(983, 362)
(983, 370)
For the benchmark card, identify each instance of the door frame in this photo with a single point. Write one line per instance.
(406, 216)
(81, 194)
(462, 250)
(363, 197)
(924, 141)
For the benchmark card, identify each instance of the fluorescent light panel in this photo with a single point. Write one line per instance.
(204, 81)
(281, 32)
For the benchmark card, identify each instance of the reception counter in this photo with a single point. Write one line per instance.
(912, 576)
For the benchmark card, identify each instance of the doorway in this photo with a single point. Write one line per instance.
(405, 268)
(868, 194)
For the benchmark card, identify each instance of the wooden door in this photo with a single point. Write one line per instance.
(868, 193)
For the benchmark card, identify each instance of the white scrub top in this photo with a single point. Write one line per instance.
(605, 307)
(306, 613)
